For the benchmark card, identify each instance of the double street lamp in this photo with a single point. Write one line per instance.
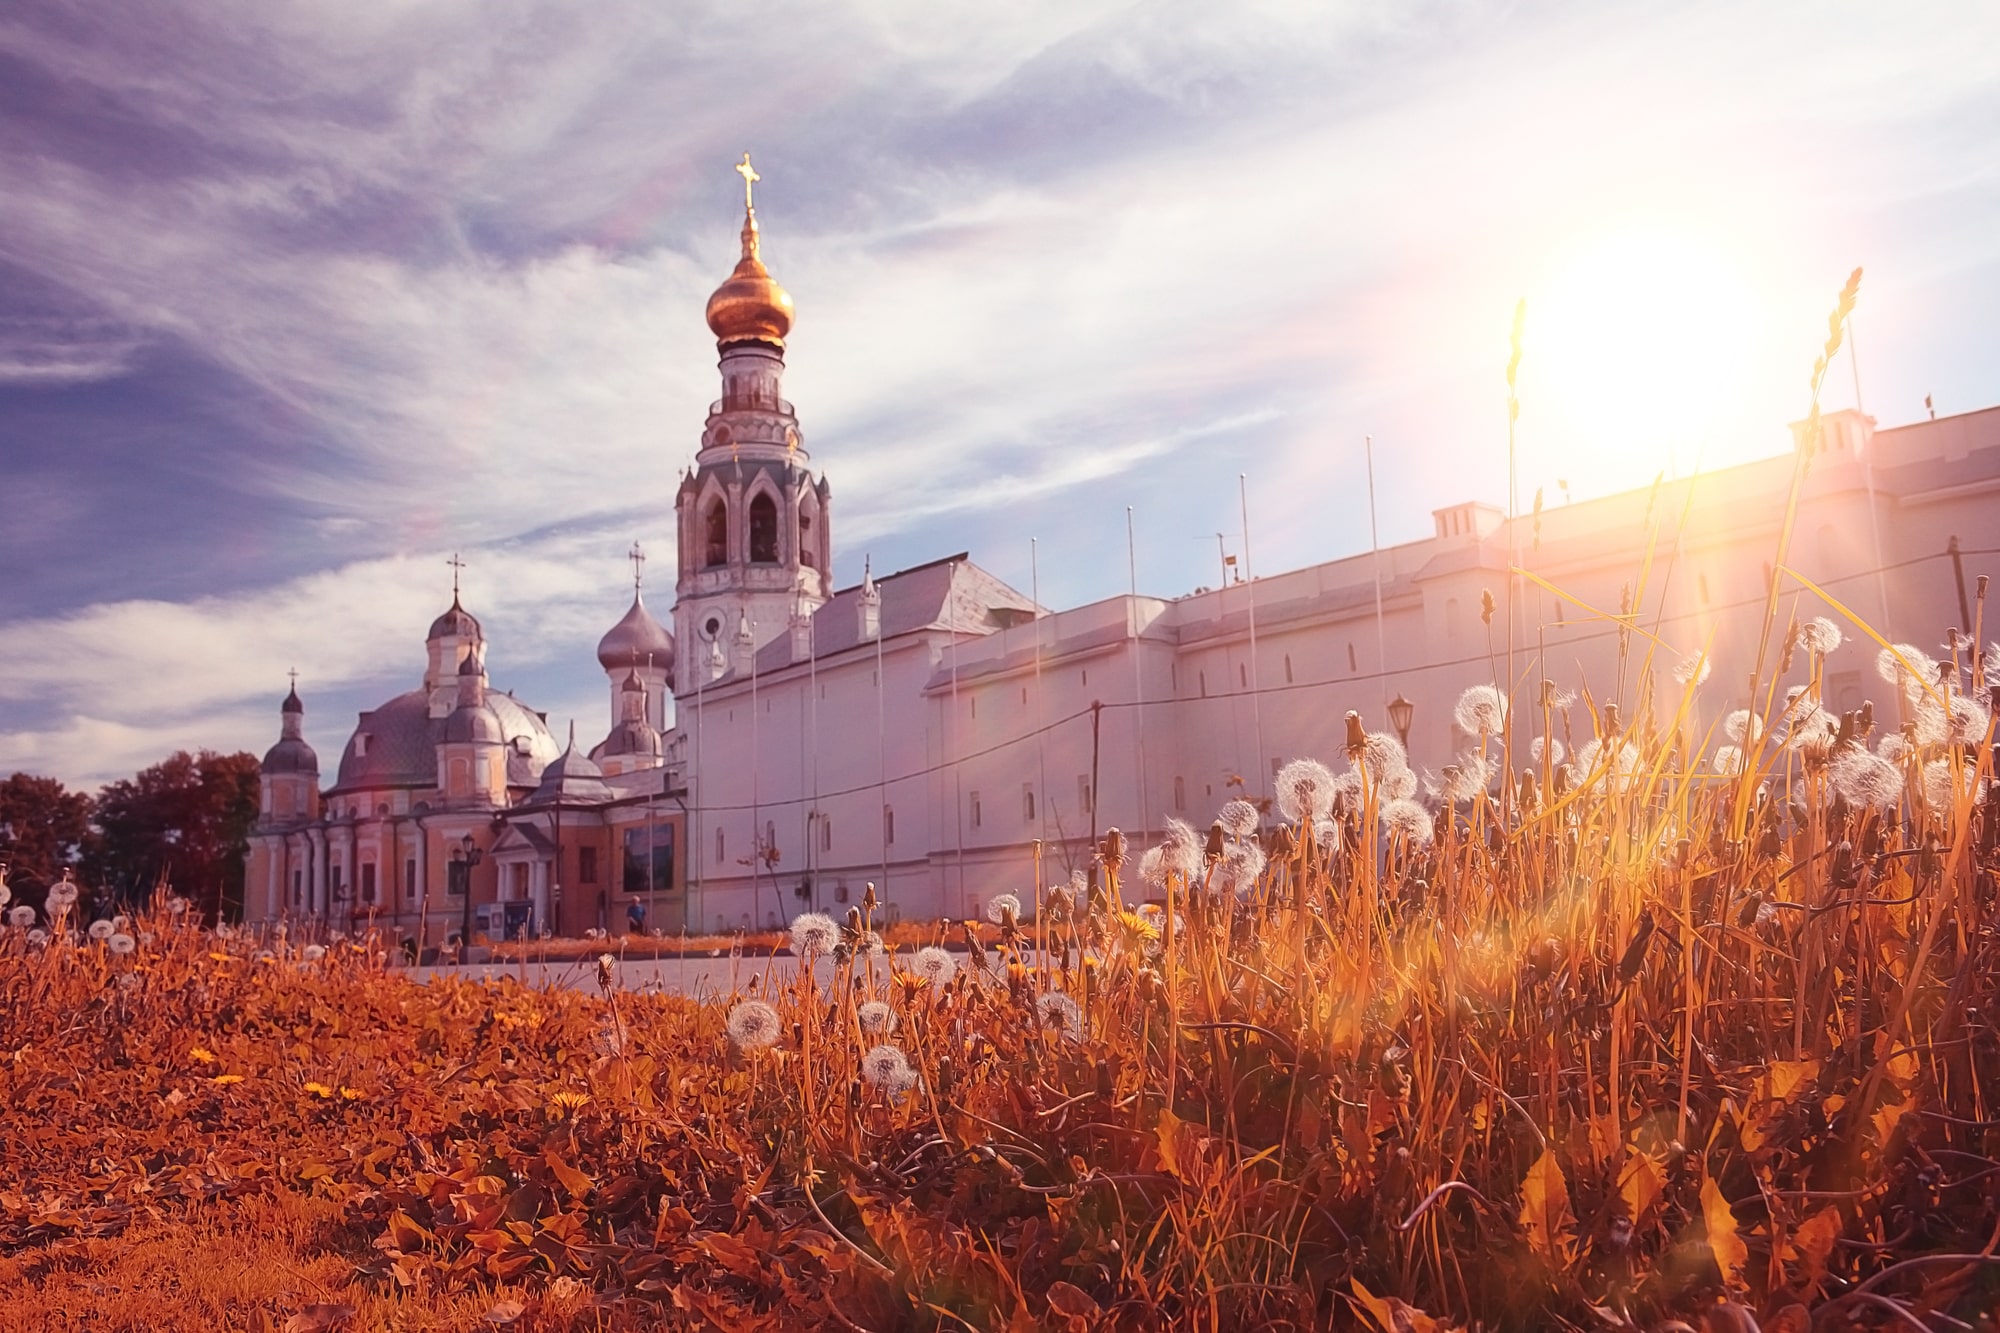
(463, 857)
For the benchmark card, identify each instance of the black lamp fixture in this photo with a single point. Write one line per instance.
(1401, 713)
(463, 857)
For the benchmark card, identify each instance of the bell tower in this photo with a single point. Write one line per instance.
(753, 517)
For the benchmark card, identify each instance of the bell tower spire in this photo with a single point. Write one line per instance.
(754, 541)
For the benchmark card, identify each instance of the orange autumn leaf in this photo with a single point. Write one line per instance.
(1389, 1314)
(1545, 1212)
(1731, 1254)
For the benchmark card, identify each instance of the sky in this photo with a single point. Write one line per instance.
(296, 300)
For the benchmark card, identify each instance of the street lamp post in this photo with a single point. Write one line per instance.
(463, 858)
(1401, 713)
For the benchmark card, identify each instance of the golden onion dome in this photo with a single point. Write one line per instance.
(750, 305)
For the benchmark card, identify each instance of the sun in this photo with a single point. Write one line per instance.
(1636, 352)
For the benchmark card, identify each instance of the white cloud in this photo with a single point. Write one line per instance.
(468, 251)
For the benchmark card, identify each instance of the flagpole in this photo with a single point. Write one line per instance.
(1375, 552)
(1138, 673)
(1256, 706)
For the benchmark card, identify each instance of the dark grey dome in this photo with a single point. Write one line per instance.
(471, 723)
(401, 740)
(635, 640)
(291, 756)
(456, 621)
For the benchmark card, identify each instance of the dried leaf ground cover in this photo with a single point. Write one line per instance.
(1685, 1025)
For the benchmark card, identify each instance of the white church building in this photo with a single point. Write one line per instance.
(934, 731)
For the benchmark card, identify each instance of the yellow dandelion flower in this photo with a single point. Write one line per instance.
(348, 1094)
(567, 1103)
(224, 1080)
(319, 1090)
(202, 1054)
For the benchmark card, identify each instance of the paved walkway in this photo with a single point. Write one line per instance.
(697, 976)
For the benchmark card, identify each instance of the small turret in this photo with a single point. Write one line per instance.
(289, 789)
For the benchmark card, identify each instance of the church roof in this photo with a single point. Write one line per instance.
(402, 741)
(951, 595)
(573, 780)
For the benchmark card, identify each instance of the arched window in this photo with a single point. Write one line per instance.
(806, 540)
(763, 531)
(715, 535)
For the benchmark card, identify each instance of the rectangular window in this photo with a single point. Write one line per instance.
(972, 804)
(586, 865)
(826, 833)
(1083, 792)
(1028, 802)
(888, 825)
(649, 859)
(718, 847)
(1180, 793)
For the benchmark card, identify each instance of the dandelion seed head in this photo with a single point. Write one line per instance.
(1409, 821)
(753, 1025)
(1382, 754)
(1893, 747)
(1743, 727)
(1819, 636)
(101, 930)
(1003, 906)
(1727, 760)
(62, 895)
(1943, 781)
(1546, 746)
(1057, 1010)
(120, 943)
(876, 1017)
(1180, 851)
(22, 916)
(1481, 711)
(934, 964)
(814, 934)
(885, 1067)
(1238, 818)
(38, 937)
(1911, 680)
(1465, 779)
(312, 953)
(1242, 864)
(1305, 791)
(1399, 785)
(1693, 670)
(1814, 735)
(1866, 780)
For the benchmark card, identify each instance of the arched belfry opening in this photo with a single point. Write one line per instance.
(763, 531)
(715, 535)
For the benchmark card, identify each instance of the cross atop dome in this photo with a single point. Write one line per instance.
(750, 177)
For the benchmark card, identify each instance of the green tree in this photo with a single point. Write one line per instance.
(44, 827)
(184, 822)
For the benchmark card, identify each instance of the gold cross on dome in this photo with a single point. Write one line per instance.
(750, 177)
(456, 565)
(637, 556)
